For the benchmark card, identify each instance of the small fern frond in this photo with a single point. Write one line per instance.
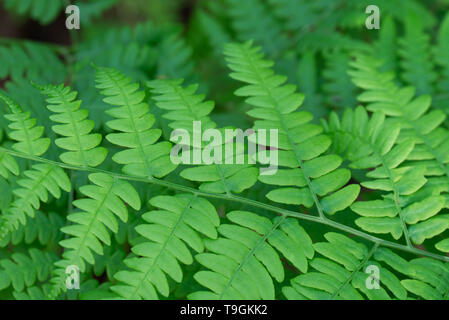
(34, 188)
(42, 228)
(252, 19)
(441, 53)
(143, 157)
(185, 106)
(418, 121)
(30, 61)
(44, 11)
(423, 277)
(340, 90)
(306, 173)
(35, 183)
(105, 202)
(180, 223)
(342, 268)
(174, 60)
(25, 270)
(369, 143)
(416, 62)
(8, 165)
(24, 130)
(82, 145)
(243, 261)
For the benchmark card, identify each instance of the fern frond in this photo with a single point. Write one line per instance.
(44, 11)
(175, 58)
(424, 278)
(216, 34)
(35, 183)
(130, 50)
(31, 61)
(441, 53)
(339, 89)
(341, 269)
(82, 145)
(42, 228)
(243, 261)
(419, 126)
(306, 173)
(418, 122)
(185, 106)
(416, 62)
(24, 130)
(386, 46)
(105, 202)
(253, 20)
(372, 143)
(143, 157)
(24, 270)
(8, 165)
(34, 188)
(168, 233)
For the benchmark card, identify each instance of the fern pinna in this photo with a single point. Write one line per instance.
(97, 201)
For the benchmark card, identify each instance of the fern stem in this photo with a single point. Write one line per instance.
(360, 266)
(235, 198)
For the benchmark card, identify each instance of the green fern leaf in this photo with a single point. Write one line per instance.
(244, 260)
(417, 65)
(45, 11)
(143, 156)
(24, 130)
(184, 107)
(301, 143)
(26, 270)
(99, 212)
(82, 145)
(167, 235)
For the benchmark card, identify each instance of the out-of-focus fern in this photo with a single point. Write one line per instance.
(45, 11)
(417, 65)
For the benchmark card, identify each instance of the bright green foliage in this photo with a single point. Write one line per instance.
(82, 145)
(419, 123)
(356, 194)
(105, 202)
(143, 157)
(24, 130)
(430, 156)
(416, 62)
(340, 268)
(168, 233)
(185, 107)
(441, 53)
(34, 187)
(372, 143)
(306, 172)
(243, 261)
